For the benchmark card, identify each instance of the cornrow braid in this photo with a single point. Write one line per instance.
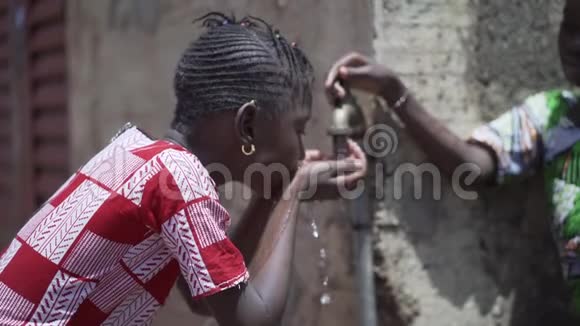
(307, 75)
(234, 62)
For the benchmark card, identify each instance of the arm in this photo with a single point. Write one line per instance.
(446, 149)
(248, 233)
(245, 236)
(194, 231)
(262, 299)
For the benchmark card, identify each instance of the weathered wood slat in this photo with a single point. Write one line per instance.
(46, 11)
(51, 156)
(52, 65)
(48, 38)
(50, 96)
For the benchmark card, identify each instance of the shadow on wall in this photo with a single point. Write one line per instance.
(500, 246)
(514, 52)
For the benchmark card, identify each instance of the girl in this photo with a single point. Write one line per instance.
(109, 245)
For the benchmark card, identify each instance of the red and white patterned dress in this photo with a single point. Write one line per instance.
(107, 248)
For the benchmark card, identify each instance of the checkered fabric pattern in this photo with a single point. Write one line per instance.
(107, 248)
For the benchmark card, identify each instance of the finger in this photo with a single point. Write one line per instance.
(330, 169)
(358, 154)
(326, 170)
(331, 81)
(339, 90)
(343, 166)
(331, 95)
(320, 156)
(333, 89)
(352, 178)
(360, 160)
(313, 155)
(357, 168)
(355, 150)
(354, 76)
(347, 180)
(323, 157)
(350, 60)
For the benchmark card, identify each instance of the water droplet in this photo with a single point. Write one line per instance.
(325, 299)
(314, 227)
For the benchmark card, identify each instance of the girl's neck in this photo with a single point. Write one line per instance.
(203, 154)
(178, 138)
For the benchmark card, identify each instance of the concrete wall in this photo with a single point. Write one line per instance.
(122, 54)
(450, 261)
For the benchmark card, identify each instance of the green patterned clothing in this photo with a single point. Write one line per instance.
(519, 138)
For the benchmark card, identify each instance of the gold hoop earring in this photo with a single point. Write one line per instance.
(248, 152)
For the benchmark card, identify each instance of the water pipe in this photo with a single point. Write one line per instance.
(348, 122)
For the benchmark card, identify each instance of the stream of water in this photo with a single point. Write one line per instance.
(325, 296)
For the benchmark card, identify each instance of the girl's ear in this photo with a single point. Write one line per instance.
(245, 122)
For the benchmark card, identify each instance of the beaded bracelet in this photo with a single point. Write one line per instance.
(402, 100)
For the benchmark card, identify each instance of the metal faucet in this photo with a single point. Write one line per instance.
(347, 122)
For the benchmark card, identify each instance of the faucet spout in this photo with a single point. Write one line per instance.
(347, 122)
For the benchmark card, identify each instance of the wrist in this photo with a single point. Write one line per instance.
(393, 91)
(296, 186)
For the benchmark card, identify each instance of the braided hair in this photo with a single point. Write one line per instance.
(235, 62)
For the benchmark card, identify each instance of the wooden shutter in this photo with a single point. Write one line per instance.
(48, 96)
(5, 111)
(37, 144)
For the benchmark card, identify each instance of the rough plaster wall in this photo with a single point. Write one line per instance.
(450, 261)
(122, 55)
